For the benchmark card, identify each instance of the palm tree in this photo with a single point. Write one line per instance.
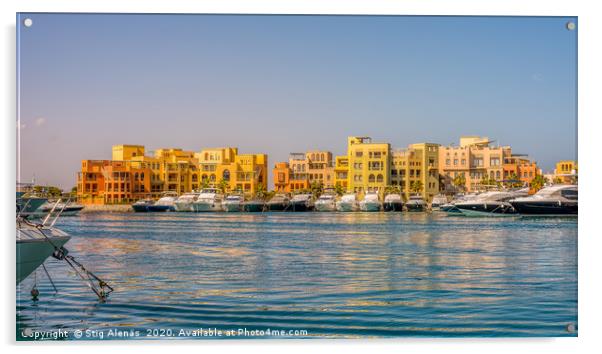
(261, 191)
(223, 185)
(416, 186)
(513, 181)
(392, 190)
(460, 182)
(557, 180)
(538, 182)
(205, 183)
(339, 190)
(316, 189)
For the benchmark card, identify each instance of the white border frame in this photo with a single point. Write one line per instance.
(589, 114)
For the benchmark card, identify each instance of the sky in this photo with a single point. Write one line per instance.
(280, 84)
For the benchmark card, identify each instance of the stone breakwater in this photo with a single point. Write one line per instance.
(115, 208)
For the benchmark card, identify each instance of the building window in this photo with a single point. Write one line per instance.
(379, 178)
(226, 175)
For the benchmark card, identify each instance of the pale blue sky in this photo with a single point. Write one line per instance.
(277, 84)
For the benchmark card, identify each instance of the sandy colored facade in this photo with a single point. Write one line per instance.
(369, 164)
(132, 175)
(304, 169)
(244, 173)
(566, 171)
(521, 167)
(417, 163)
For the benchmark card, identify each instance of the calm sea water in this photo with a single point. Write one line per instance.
(329, 274)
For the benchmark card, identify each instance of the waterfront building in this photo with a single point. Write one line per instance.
(132, 175)
(226, 168)
(369, 165)
(303, 170)
(341, 172)
(520, 166)
(566, 171)
(113, 182)
(415, 170)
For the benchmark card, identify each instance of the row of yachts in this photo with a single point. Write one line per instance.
(211, 199)
(551, 200)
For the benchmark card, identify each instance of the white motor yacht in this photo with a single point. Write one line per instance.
(184, 202)
(493, 203)
(416, 203)
(167, 202)
(348, 202)
(438, 201)
(326, 202)
(371, 202)
(233, 203)
(35, 244)
(210, 199)
(393, 202)
(553, 200)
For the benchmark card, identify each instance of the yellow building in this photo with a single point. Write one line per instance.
(415, 170)
(244, 172)
(341, 172)
(566, 171)
(368, 165)
(172, 169)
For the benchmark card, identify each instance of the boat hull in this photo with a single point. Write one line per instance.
(393, 206)
(546, 208)
(140, 208)
(253, 207)
(370, 207)
(32, 253)
(232, 207)
(415, 207)
(325, 206)
(481, 209)
(278, 206)
(159, 208)
(183, 206)
(301, 206)
(29, 205)
(347, 207)
(201, 207)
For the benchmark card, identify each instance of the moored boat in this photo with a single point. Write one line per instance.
(166, 203)
(233, 203)
(553, 200)
(416, 203)
(253, 205)
(66, 209)
(279, 202)
(35, 243)
(326, 202)
(393, 202)
(348, 202)
(493, 203)
(302, 202)
(210, 199)
(142, 205)
(371, 202)
(438, 201)
(184, 202)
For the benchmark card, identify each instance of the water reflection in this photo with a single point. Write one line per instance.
(339, 274)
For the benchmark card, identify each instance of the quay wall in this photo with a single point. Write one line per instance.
(116, 208)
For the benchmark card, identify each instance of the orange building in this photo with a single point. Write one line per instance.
(304, 169)
(113, 182)
(522, 167)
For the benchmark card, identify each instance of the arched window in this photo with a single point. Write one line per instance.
(204, 177)
(226, 175)
(142, 176)
(212, 177)
(497, 175)
(379, 178)
(136, 176)
(371, 179)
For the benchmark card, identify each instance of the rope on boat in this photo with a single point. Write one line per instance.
(97, 285)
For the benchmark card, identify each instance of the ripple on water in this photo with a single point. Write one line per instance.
(332, 274)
